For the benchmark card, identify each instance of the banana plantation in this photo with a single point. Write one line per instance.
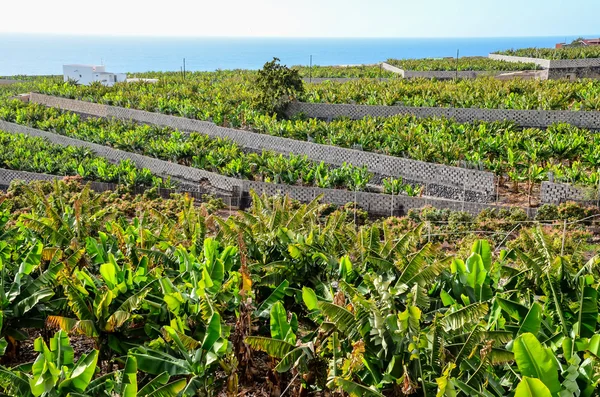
(106, 295)
(116, 294)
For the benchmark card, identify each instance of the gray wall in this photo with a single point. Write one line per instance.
(7, 176)
(560, 68)
(377, 204)
(158, 167)
(549, 63)
(555, 193)
(317, 80)
(441, 180)
(523, 118)
(380, 204)
(443, 74)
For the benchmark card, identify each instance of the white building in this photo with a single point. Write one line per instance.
(87, 74)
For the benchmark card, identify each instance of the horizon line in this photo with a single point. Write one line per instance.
(292, 37)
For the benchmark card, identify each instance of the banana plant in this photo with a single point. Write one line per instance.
(104, 306)
(23, 298)
(177, 354)
(54, 372)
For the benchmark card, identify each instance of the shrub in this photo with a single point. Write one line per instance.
(547, 212)
(277, 85)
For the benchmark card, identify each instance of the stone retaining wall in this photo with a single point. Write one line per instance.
(556, 193)
(559, 68)
(379, 204)
(440, 180)
(522, 118)
(317, 80)
(376, 204)
(444, 74)
(7, 176)
(549, 63)
(165, 169)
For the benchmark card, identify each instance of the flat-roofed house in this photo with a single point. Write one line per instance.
(87, 74)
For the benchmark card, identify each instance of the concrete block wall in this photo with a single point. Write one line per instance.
(442, 181)
(443, 74)
(523, 118)
(317, 80)
(556, 193)
(550, 63)
(378, 204)
(165, 169)
(559, 68)
(7, 176)
(392, 68)
(544, 63)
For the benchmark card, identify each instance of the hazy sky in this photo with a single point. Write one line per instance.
(304, 18)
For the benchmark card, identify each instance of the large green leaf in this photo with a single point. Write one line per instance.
(26, 304)
(476, 271)
(342, 318)
(588, 312)
(280, 328)
(109, 274)
(277, 295)
(514, 309)
(533, 320)
(532, 387)
(355, 389)
(536, 361)
(213, 332)
(156, 362)
(310, 299)
(471, 314)
(82, 374)
(169, 390)
(214, 265)
(129, 380)
(273, 347)
(482, 248)
(47, 278)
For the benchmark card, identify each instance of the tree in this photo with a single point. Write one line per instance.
(277, 85)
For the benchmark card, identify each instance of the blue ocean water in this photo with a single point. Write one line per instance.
(45, 54)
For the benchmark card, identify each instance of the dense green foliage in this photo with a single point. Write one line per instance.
(178, 302)
(351, 71)
(277, 86)
(463, 64)
(194, 149)
(486, 93)
(226, 97)
(24, 153)
(575, 52)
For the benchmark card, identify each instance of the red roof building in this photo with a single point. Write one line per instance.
(583, 42)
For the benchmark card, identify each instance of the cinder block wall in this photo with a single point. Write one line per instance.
(161, 168)
(444, 74)
(523, 118)
(376, 204)
(555, 193)
(559, 68)
(442, 181)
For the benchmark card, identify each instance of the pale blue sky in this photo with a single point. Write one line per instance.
(306, 18)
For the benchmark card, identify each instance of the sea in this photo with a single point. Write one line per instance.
(35, 54)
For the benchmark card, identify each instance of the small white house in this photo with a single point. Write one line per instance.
(87, 74)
